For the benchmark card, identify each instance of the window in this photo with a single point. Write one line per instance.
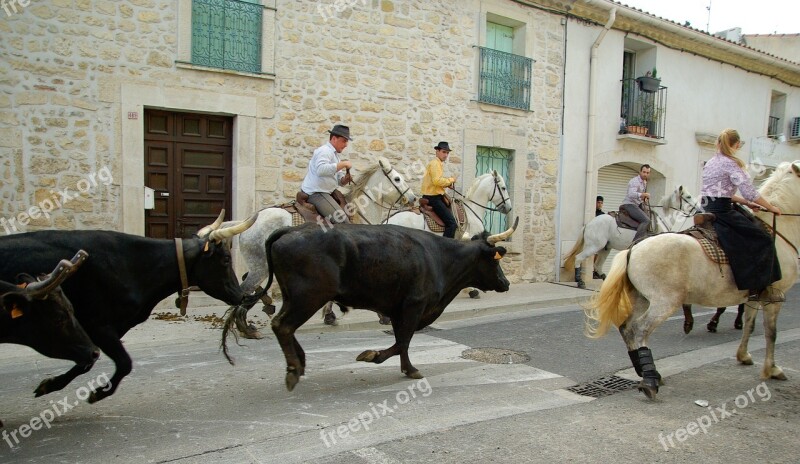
(505, 78)
(494, 159)
(777, 111)
(227, 34)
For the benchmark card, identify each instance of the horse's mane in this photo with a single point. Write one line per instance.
(782, 190)
(475, 184)
(361, 184)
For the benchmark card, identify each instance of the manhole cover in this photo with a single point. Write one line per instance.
(603, 386)
(495, 355)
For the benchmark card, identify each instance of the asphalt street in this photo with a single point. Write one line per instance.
(184, 403)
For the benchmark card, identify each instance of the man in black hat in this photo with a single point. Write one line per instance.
(433, 185)
(598, 206)
(326, 172)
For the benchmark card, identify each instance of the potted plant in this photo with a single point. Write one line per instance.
(636, 126)
(649, 82)
(649, 112)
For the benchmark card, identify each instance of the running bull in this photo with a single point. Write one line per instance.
(406, 274)
(123, 279)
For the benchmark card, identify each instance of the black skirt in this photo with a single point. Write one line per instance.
(749, 247)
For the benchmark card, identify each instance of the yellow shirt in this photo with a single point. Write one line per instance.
(433, 182)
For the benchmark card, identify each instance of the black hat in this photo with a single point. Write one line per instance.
(599, 198)
(341, 131)
(443, 146)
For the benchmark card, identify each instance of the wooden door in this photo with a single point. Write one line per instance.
(188, 164)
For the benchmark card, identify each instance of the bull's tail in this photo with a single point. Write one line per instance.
(612, 305)
(569, 262)
(236, 314)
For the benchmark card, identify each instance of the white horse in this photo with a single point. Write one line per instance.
(379, 191)
(649, 282)
(485, 189)
(601, 234)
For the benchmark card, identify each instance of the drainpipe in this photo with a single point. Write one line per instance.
(591, 178)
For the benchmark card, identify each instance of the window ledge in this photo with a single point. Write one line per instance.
(642, 139)
(185, 65)
(492, 108)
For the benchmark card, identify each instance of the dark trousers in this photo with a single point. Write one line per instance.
(441, 210)
(749, 247)
(328, 208)
(640, 216)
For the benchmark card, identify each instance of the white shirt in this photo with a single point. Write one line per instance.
(322, 175)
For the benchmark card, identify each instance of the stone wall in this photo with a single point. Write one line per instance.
(401, 74)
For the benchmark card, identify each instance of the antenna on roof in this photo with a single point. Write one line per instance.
(708, 21)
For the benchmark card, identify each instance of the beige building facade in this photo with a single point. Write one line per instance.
(97, 94)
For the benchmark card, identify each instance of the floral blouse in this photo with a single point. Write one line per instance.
(722, 177)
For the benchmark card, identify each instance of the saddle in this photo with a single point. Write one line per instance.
(302, 211)
(434, 222)
(707, 237)
(625, 221)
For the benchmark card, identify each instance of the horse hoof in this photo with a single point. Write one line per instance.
(779, 376)
(737, 325)
(384, 321)
(291, 380)
(746, 362)
(712, 327)
(688, 326)
(581, 284)
(269, 309)
(649, 391)
(367, 356)
(330, 319)
(415, 375)
(474, 294)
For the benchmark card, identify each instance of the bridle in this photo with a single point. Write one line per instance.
(495, 191)
(400, 199)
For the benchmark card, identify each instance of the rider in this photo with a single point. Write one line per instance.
(325, 171)
(433, 185)
(749, 248)
(632, 204)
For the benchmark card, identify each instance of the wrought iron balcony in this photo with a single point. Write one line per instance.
(643, 112)
(774, 128)
(505, 79)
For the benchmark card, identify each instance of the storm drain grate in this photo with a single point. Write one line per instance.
(496, 355)
(603, 386)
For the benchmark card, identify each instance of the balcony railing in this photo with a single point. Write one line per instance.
(774, 128)
(642, 112)
(505, 79)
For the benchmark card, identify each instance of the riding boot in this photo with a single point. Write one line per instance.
(767, 295)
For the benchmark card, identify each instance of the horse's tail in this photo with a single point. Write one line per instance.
(237, 313)
(612, 305)
(569, 262)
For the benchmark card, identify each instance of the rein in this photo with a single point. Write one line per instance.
(379, 204)
(496, 190)
(773, 230)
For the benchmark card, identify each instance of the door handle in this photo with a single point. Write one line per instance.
(163, 194)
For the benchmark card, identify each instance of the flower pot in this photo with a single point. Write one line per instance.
(648, 84)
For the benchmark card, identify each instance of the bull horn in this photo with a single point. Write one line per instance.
(492, 239)
(213, 226)
(236, 229)
(51, 281)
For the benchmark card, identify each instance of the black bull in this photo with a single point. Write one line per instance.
(121, 282)
(406, 274)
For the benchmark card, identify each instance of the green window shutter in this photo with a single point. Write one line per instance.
(494, 159)
(499, 37)
(505, 78)
(227, 34)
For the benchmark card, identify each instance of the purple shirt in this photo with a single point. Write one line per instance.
(636, 187)
(722, 177)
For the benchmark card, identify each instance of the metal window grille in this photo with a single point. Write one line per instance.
(227, 34)
(505, 79)
(774, 126)
(489, 159)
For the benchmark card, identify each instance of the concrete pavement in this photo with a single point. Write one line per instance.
(521, 296)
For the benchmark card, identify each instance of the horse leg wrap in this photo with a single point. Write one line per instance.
(578, 278)
(650, 375)
(634, 355)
